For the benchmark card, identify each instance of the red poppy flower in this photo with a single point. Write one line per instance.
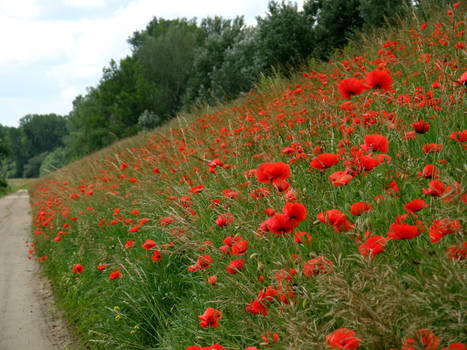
(302, 237)
(324, 161)
(273, 172)
(212, 280)
(403, 231)
(101, 267)
(167, 220)
(340, 178)
(427, 338)
(463, 79)
(212, 347)
(359, 208)
(373, 246)
(78, 268)
(368, 163)
(234, 245)
(279, 224)
(295, 211)
(156, 256)
(224, 220)
(239, 247)
(336, 219)
(256, 307)
(442, 228)
(430, 172)
(431, 148)
(149, 244)
(456, 346)
(350, 87)
(234, 266)
(281, 185)
(114, 275)
(457, 252)
(421, 127)
(210, 317)
(203, 263)
(260, 193)
(316, 266)
(343, 338)
(228, 193)
(415, 205)
(197, 189)
(436, 189)
(266, 337)
(379, 79)
(376, 143)
(410, 135)
(460, 136)
(129, 243)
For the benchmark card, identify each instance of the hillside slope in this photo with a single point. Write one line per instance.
(323, 211)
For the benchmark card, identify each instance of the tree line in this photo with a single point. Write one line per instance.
(180, 63)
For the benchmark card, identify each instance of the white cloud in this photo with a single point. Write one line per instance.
(93, 4)
(20, 9)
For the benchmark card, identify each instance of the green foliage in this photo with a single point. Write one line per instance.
(54, 160)
(18, 151)
(336, 22)
(42, 132)
(32, 167)
(285, 35)
(374, 12)
(4, 146)
(166, 57)
(207, 83)
(148, 120)
(240, 68)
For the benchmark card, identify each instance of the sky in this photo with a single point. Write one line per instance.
(52, 50)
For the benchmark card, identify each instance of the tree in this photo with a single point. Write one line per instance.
(4, 146)
(42, 132)
(219, 36)
(166, 56)
(285, 35)
(54, 160)
(5, 152)
(123, 94)
(31, 168)
(148, 120)
(240, 68)
(18, 151)
(374, 12)
(335, 21)
(88, 128)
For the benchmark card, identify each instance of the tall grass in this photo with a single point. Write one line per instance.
(88, 212)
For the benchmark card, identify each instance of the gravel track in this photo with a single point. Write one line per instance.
(27, 318)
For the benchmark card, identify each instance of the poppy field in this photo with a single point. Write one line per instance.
(321, 211)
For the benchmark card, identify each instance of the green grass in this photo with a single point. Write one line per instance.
(15, 185)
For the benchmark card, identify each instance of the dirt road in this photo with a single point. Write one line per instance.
(26, 319)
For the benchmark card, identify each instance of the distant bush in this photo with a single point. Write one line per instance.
(31, 168)
(148, 120)
(54, 160)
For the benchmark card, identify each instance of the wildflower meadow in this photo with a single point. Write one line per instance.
(321, 211)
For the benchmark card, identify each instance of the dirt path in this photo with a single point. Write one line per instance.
(26, 319)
